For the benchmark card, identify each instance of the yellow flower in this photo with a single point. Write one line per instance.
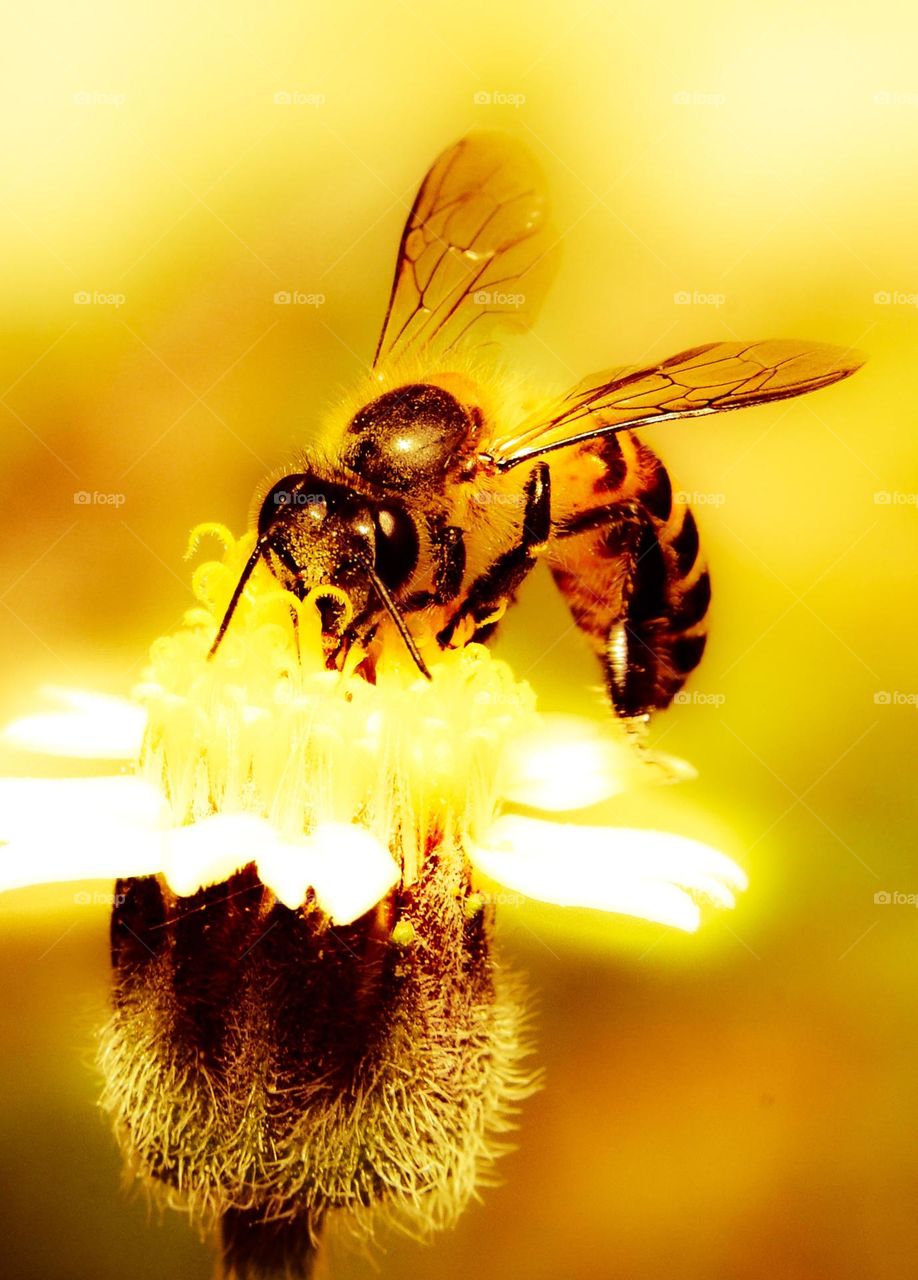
(308, 1012)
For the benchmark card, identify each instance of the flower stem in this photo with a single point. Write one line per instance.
(279, 1249)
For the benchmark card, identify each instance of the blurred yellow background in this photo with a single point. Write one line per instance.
(738, 1105)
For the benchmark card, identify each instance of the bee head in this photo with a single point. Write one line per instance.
(317, 533)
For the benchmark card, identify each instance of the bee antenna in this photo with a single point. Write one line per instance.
(238, 590)
(379, 586)
(392, 609)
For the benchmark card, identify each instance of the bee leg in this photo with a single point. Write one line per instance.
(447, 543)
(490, 593)
(450, 567)
(359, 634)
(295, 619)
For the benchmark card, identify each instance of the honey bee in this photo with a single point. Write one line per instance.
(432, 503)
(267, 1063)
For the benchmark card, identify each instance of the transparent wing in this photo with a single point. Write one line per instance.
(709, 379)
(475, 254)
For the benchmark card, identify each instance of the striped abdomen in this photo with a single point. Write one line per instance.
(625, 555)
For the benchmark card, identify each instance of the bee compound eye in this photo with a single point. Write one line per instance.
(396, 545)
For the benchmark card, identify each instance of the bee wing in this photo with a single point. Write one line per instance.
(474, 254)
(709, 379)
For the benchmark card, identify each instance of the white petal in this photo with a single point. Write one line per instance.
(94, 726)
(353, 870)
(56, 829)
(110, 828)
(636, 872)
(63, 804)
(349, 869)
(210, 851)
(287, 869)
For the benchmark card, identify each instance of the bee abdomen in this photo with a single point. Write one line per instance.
(626, 557)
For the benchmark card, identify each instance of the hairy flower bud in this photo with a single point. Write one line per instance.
(260, 1061)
